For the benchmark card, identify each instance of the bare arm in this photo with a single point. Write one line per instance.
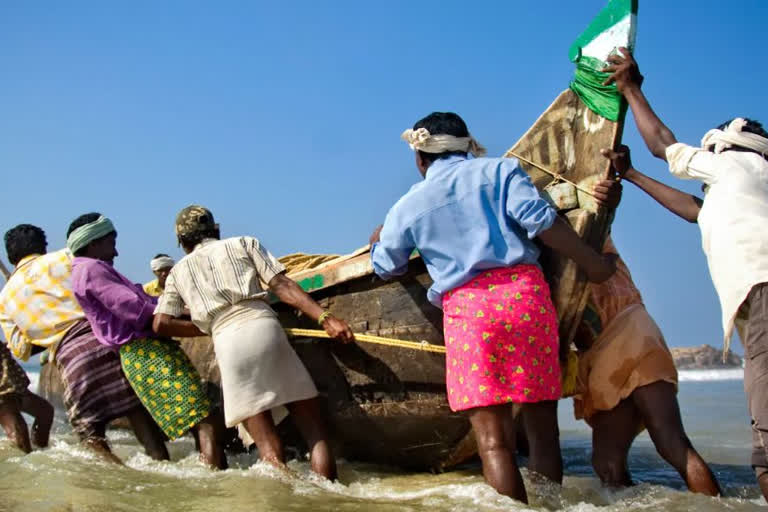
(166, 325)
(562, 238)
(626, 74)
(290, 293)
(683, 205)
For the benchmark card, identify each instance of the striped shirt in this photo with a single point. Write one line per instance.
(216, 275)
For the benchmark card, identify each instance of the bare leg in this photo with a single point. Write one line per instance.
(540, 424)
(40, 409)
(209, 433)
(660, 411)
(762, 481)
(264, 434)
(612, 435)
(309, 418)
(494, 429)
(14, 425)
(102, 448)
(148, 433)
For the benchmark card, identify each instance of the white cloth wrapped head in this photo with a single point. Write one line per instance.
(421, 140)
(733, 135)
(161, 262)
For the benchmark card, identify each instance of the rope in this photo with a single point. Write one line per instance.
(366, 338)
(569, 371)
(556, 175)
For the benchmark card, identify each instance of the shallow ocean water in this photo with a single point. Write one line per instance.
(66, 477)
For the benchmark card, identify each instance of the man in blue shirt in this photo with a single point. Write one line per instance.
(475, 219)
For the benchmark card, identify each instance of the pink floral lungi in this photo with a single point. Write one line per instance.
(501, 339)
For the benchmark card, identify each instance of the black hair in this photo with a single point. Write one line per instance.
(82, 220)
(190, 240)
(752, 126)
(442, 123)
(161, 255)
(23, 240)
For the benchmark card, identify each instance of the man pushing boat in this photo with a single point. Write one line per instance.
(220, 282)
(38, 311)
(473, 221)
(120, 314)
(732, 164)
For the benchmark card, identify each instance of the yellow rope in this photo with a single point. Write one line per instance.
(376, 340)
(556, 175)
(569, 371)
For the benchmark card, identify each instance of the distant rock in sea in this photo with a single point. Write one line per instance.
(705, 357)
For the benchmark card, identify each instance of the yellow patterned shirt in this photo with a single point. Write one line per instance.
(152, 288)
(37, 306)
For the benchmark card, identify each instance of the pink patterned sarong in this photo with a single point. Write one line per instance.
(501, 339)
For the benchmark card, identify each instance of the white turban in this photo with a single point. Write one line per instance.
(422, 140)
(161, 262)
(733, 135)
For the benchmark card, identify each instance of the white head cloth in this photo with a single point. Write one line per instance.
(161, 263)
(733, 135)
(422, 140)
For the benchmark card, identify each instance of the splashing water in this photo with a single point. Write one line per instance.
(67, 477)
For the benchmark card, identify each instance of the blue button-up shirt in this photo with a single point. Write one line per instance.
(468, 215)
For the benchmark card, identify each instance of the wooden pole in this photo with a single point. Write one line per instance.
(4, 270)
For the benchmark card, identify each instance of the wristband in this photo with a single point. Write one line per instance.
(323, 316)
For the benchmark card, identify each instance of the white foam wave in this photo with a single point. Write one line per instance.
(705, 375)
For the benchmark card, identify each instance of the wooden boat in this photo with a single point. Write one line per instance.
(387, 404)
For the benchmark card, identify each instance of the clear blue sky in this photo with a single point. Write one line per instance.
(284, 117)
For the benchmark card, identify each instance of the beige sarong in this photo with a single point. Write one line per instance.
(259, 368)
(629, 353)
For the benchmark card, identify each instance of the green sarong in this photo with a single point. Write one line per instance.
(167, 384)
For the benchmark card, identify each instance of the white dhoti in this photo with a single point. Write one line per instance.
(259, 368)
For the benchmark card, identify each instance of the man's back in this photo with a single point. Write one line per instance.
(37, 304)
(466, 216)
(218, 274)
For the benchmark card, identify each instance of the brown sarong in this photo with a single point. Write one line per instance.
(13, 379)
(629, 353)
(753, 331)
(95, 388)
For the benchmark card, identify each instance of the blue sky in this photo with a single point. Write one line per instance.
(284, 117)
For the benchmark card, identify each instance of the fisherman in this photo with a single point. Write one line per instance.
(219, 281)
(473, 222)
(161, 266)
(732, 164)
(121, 315)
(38, 311)
(626, 380)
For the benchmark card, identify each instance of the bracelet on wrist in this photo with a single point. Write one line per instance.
(323, 317)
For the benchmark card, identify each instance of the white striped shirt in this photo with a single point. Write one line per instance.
(216, 275)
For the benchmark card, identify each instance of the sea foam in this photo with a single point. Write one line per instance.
(704, 375)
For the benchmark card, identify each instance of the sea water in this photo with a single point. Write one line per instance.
(65, 477)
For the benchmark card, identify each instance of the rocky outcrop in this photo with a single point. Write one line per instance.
(704, 357)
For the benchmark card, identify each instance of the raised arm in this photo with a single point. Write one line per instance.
(625, 73)
(682, 204)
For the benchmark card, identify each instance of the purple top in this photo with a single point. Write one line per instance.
(118, 310)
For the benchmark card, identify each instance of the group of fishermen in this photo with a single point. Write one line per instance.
(473, 221)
